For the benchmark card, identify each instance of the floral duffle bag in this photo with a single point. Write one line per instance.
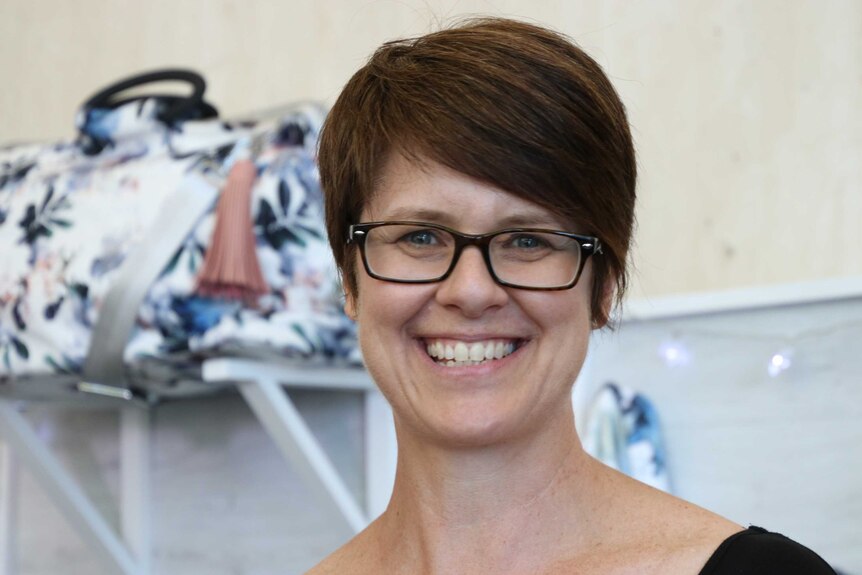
(162, 236)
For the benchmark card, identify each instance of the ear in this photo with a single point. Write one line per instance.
(350, 305)
(603, 315)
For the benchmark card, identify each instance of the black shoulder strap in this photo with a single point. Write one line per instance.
(757, 551)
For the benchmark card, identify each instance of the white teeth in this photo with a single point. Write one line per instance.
(477, 352)
(463, 353)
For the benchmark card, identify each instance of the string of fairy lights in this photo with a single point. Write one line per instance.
(675, 352)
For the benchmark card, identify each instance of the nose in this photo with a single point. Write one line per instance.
(470, 286)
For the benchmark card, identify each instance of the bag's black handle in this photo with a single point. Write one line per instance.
(179, 106)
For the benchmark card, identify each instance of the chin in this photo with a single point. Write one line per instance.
(470, 426)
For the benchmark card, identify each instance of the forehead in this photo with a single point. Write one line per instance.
(424, 190)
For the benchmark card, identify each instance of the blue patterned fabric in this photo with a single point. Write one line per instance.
(68, 219)
(623, 432)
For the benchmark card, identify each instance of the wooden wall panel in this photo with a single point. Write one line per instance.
(748, 116)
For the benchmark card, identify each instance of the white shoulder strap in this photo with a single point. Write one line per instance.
(176, 218)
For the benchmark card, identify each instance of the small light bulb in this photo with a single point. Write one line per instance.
(779, 363)
(674, 354)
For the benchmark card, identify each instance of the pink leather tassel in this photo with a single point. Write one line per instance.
(230, 268)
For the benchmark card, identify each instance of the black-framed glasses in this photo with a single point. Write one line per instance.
(526, 258)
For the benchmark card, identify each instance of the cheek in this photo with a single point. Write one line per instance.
(386, 312)
(386, 308)
(558, 309)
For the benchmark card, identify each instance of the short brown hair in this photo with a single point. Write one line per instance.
(508, 103)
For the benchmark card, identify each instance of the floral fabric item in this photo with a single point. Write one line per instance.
(623, 432)
(68, 218)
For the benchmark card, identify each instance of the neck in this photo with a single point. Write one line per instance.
(452, 508)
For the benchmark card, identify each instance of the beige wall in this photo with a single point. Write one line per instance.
(747, 115)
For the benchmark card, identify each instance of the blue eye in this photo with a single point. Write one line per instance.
(525, 241)
(420, 238)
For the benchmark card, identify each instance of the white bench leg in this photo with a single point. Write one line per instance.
(135, 490)
(285, 425)
(8, 509)
(381, 452)
(64, 491)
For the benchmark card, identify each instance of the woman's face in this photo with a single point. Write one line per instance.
(497, 399)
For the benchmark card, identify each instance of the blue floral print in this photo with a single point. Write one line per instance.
(69, 217)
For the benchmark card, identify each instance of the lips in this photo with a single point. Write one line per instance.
(457, 353)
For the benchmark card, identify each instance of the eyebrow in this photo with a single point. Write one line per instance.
(433, 216)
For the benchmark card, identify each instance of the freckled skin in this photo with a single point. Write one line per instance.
(490, 405)
(491, 475)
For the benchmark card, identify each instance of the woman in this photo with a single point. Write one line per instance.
(480, 186)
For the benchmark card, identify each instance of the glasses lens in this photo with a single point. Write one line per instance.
(409, 252)
(535, 259)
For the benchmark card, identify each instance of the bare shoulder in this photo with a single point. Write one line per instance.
(658, 532)
(689, 535)
(329, 565)
(340, 561)
(356, 557)
(677, 519)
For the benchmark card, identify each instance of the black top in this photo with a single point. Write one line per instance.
(756, 551)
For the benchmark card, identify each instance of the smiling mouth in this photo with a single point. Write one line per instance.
(453, 353)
